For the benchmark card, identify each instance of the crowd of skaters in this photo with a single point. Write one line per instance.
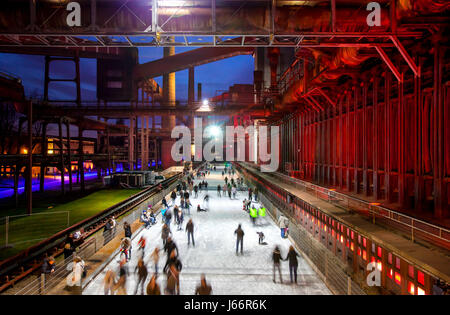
(172, 213)
(116, 284)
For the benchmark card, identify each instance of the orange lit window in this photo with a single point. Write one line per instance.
(379, 265)
(352, 246)
(390, 273)
(411, 288)
(325, 228)
(342, 239)
(359, 251)
(420, 291)
(398, 278)
(347, 244)
(420, 278)
(364, 255)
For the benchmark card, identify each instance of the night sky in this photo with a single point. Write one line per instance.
(215, 77)
(219, 75)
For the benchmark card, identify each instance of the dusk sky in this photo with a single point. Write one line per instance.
(219, 75)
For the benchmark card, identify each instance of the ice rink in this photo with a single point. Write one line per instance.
(214, 253)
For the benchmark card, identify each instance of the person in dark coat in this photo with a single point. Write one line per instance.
(170, 246)
(276, 258)
(190, 232)
(239, 238)
(164, 202)
(196, 191)
(127, 229)
(165, 233)
(173, 196)
(204, 288)
(293, 263)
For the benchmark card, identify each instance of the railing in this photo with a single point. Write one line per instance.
(44, 284)
(415, 228)
(326, 265)
(89, 225)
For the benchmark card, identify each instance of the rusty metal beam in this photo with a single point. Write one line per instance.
(186, 60)
(389, 63)
(405, 55)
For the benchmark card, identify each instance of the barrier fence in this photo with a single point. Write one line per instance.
(44, 283)
(326, 264)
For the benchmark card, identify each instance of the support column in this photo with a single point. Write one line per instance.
(376, 188)
(191, 86)
(143, 162)
(168, 122)
(61, 155)
(29, 183)
(69, 155)
(387, 142)
(44, 150)
(131, 144)
(81, 159)
(440, 210)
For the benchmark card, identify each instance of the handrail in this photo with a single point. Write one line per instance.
(374, 209)
(88, 224)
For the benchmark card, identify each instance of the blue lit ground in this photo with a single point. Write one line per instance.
(215, 256)
(51, 183)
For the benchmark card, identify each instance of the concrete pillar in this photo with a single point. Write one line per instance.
(81, 158)
(168, 122)
(44, 151)
(143, 149)
(69, 153)
(199, 92)
(191, 86)
(131, 145)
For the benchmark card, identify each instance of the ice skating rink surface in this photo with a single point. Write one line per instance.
(214, 253)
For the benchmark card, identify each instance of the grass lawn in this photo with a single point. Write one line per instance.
(28, 230)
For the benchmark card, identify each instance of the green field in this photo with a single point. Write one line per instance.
(25, 231)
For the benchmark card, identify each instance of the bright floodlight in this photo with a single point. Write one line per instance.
(205, 102)
(215, 131)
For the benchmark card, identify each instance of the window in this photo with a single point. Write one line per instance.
(411, 288)
(420, 277)
(411, 271)
(390, 258)
(397, 262)
(398, 278)
(364, 255)
(379, 251)
(359, 239)
(390, 273)
(420, 291)
(364, 242)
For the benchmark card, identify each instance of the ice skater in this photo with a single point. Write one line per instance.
(293, 263)
(276, 258)
(142, 273)
(239, 238)
(190, 232)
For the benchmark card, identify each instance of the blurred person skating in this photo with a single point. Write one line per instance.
(73, 280)
(155, 257)
(172, 269)
(170, 247)
(109, 282)
(204, 288)
(165, 232)
(142, 273)
(153, 287)
(125, 249)
(120, 286)
(219, 191)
